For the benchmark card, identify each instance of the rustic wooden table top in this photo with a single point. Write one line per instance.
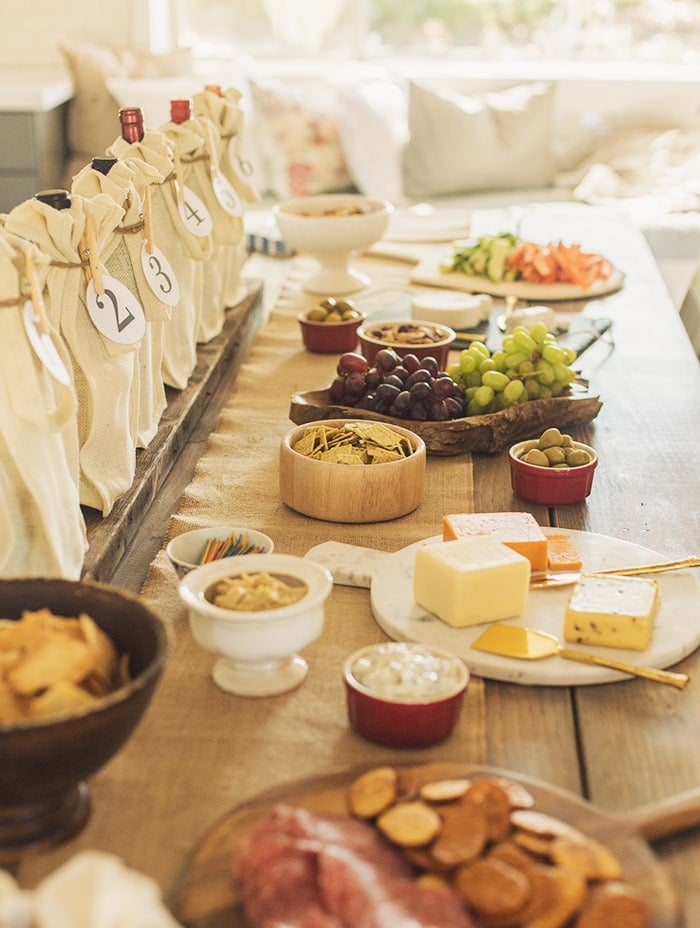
(620, 745)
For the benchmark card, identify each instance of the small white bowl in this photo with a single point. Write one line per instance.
(330, 227)
(185, 551)
(258, 650)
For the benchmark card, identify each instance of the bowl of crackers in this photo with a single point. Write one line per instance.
(256, 615)
(352, 471)
(79, 663)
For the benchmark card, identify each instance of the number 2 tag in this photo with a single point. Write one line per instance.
(226, 195)
(194, 214)
(159, 275)
(116, 313)
(43, 345)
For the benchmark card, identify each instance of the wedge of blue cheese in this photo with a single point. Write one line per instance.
(614, 612)
(471, 580)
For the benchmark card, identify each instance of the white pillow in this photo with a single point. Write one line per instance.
(490, 141)
(373, 128)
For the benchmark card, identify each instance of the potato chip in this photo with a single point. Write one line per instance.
(59, 657)
(53, 665)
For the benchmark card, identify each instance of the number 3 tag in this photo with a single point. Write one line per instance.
(226, 195)
(116, 313)
(160, 275)
(194, 214)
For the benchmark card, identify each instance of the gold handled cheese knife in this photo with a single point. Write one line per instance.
(529, 644)
(543, 579)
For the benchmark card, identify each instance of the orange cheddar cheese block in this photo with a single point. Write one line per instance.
(562, 554)
(518, 530)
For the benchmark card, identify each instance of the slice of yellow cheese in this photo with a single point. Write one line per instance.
(471, 580)
(519, 530)
(615, 612)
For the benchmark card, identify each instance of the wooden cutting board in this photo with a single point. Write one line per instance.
(206, 897)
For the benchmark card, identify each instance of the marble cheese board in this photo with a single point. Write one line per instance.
(389, 579)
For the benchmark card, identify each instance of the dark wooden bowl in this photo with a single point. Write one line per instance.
(44, 799)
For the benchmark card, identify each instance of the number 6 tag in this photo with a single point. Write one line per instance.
(116, 313)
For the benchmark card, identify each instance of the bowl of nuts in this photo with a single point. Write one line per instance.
(553, 470)
(331, 326)
(422, 339)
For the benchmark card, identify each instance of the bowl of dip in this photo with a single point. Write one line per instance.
(255, 613)
(403, 694)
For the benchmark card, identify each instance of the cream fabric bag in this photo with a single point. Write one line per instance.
(186, 254)
(199, 167)
(225, 113)
(122, 258)
(42, 531)
(103, 369)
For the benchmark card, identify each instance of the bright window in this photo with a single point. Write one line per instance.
(603, 30)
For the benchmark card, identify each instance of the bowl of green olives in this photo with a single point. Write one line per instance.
(553, 470)
(331, 326)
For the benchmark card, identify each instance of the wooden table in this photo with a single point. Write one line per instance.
(621, 745)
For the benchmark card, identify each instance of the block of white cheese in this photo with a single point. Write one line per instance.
(470, 581)
(529, 315)
(615, 612)
(456, 310)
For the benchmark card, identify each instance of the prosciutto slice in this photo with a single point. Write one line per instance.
(300, 869)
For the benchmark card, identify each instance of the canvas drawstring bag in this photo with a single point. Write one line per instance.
(222, 108)
(123, 259)
(196, 144)
(183, 252)
(42, 530)
(103, 356)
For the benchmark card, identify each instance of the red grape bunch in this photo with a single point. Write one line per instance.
(407, 388)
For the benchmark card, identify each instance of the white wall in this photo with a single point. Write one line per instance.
(30, 42)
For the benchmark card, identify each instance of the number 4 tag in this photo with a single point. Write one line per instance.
(116, 313)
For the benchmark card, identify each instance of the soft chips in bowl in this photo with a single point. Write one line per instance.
(79, 664)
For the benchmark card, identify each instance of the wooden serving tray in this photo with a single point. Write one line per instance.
(207, 898)
(489, 433)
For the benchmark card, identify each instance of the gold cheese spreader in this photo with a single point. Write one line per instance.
(529, 644)
(543, 579)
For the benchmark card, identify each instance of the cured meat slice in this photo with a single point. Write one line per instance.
(299, 869)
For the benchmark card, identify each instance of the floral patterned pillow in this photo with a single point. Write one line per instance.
(296, 140)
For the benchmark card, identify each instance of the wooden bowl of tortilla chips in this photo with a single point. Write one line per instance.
(352, 471)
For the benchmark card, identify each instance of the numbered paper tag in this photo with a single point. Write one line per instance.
(43, 345)
(116, 313)
(194, 214)
(241, 166)
(226, 195)
(160, 275)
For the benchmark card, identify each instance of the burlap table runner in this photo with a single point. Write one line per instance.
(233, 747)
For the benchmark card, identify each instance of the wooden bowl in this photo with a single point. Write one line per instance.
(351, 492)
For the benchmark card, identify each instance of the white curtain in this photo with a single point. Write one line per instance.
(303, 24)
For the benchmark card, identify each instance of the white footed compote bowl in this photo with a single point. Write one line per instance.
(257, 647)
(330, 227)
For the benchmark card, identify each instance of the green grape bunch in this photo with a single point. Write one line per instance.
(530, 365)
